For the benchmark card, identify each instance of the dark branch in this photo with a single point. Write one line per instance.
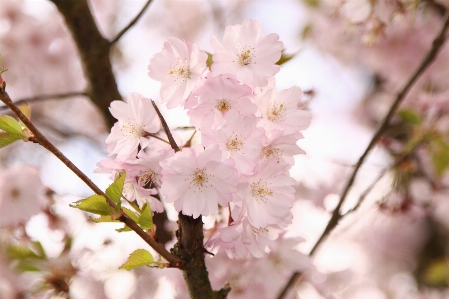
(133, 21)
(336, 215)
(94, 51)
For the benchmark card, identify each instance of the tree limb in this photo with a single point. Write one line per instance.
(336, 215)
(94, 51)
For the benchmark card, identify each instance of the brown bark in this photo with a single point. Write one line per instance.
(191, 251)
(94, 51)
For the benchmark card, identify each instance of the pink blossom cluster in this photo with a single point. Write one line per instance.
(248, 129)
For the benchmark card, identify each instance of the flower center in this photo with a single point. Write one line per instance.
(257, 231)
(245, 55)
(269, 151)
(260, 192)
(180, 71)
(276, 112)
(199, 179)
(148, 178)
(234, 144)
(131, 129)
(223, 105)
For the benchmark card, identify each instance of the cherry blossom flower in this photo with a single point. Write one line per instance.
(268, 194)
(180, 67)
(197, 181)
(146, 170)
(22, 195)
(247, 55)
(282, 147)
(215, 97)
(136, 118)
(239, 140)
(242, 240)
(279, 111)
(134, 192)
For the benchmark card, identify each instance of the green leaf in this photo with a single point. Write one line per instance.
(440, 155)
(436, 273)
(146, 219)
(285, 58)
(95, 204)
(305, 33)
(410, 116)
(21, 252)
(114, 191)
(131, 214)
(26, 110)
(103, 218)
(39, 249)
(124, 229)
(312, 3)
(209, 61)
(138, 258)
(7, 139)
(10, 125)
(27, 266)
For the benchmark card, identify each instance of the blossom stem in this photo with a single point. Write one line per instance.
(156, 137)
(166, 128)
(43, 141)
(336, 216)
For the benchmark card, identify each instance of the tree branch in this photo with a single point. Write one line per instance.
(166, 128)
(133, 21)
(48, 97)
(94, 51)
(43, 141)
(365, 193)
(336, 215)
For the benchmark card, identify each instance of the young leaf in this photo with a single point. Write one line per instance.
(138, 258)
(103, 218)
(124, 229)
(285, 58)
(209, 61)
(21, 252)
(131, 214)
(7, 138)
(95, 204)
(410, 116)
(440, 155)
(146, 219)
(114, 191)
(10, 125)
(26, 109)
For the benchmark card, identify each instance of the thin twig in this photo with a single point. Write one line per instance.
(166, 128)
(48, 97)
(133, 21)
(336, 216)
(155, 137)
(365, 193)
(43, 141)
